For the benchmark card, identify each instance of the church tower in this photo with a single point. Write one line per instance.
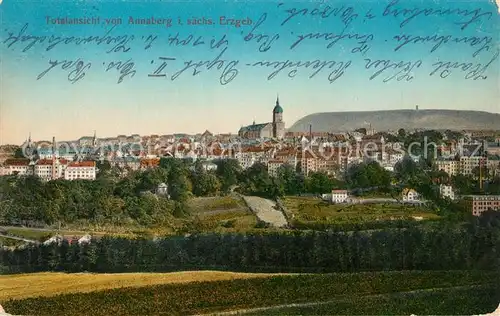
(278, 124)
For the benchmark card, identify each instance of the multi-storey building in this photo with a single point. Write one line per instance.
(80, 170)
(17, 166)
(451, 167)
(469, 163)
(481, 203)
(50, 169)
(273, 166)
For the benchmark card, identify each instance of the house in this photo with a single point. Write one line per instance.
(410, 195)
(447, 191)
(339, 196)
(162, 189)
(17, 166)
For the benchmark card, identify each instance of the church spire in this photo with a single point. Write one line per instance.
(277, 99)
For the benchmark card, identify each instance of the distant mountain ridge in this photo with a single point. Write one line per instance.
(396, 119)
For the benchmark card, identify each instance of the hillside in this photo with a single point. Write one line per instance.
(395, 119)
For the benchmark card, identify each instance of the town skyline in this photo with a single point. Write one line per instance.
(105, 132)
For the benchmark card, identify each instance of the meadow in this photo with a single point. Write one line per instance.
(49, 284)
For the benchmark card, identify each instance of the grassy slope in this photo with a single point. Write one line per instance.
(49, 284)
(357, 293)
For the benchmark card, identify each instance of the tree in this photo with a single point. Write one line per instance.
(463, 184)
(205, 183)
(103, 167)
(368, 175)
(406, 170)
(228, 172)
(256, 180)
(19, 153)
(289, 180)
(484, 172)
(319, 183)
(402, 133)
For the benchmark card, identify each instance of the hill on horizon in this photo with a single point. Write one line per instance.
(395, 119)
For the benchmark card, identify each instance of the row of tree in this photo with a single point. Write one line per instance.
(117, 197)
(475, 246)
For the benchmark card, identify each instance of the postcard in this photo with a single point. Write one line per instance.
(258, 157)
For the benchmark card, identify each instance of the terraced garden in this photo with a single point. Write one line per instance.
(219, 214)
(306, 209)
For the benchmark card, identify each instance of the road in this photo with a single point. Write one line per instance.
(28, 228)
(18, 238)
(265, 211)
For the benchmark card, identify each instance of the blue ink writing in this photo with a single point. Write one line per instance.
(473, 71)
(333, 38)
(346, 14)
(471, 16)
(76, 69)
(265, 40)
(229, 71)
(120, 42)
(293, 66)
(126, 68)
(159, 71)
(482, 42)
(404, 69)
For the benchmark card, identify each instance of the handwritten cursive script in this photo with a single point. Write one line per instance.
(315, 40)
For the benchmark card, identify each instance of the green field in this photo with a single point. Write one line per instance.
(407, 292)
(448, 301)
(306, 210)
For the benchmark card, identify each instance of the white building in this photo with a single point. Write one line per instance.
(339, 196)
(80, 170)
(447, 191)
(16, 166)
(47, 170)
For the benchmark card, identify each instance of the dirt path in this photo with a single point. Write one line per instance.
(265, 211)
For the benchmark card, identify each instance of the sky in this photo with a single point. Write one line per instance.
(57, 103)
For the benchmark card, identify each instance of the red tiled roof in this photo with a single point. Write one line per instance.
(17, 162)
(44, 162)
(82, 164)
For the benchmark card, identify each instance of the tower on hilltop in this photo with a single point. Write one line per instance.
(278, 124)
